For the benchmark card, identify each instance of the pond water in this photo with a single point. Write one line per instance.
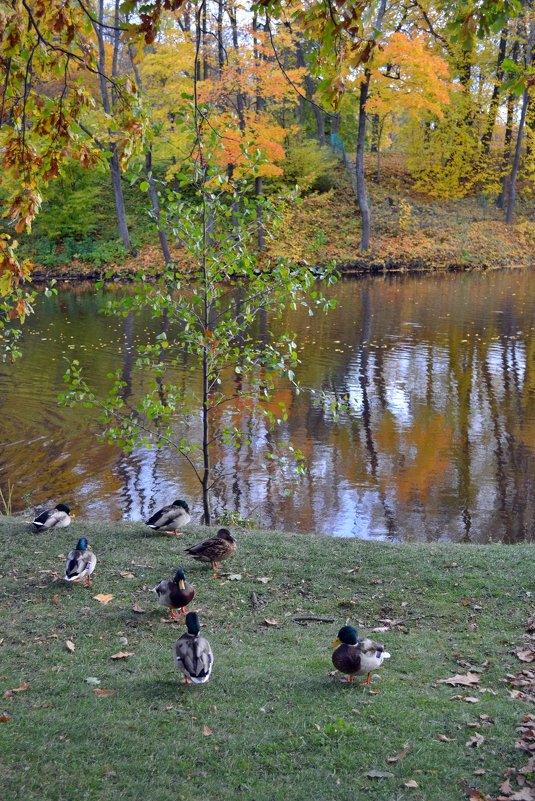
(437, 442)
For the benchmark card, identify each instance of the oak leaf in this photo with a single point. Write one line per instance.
(24, 686)
(102, 598)
(462, 680)
(400, 755)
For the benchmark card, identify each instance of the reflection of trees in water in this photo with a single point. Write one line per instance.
(438, 439)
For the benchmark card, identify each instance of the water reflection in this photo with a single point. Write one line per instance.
(437, 441)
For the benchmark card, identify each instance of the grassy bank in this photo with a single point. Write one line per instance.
(410, 231)
(272, 723)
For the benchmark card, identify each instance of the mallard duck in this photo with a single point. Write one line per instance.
(214, 550)
(176, 593)
(59, 517)
(170, 518)
(193, 654)
(80, 563)
(355, 656)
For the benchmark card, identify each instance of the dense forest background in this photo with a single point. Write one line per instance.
(408, 135)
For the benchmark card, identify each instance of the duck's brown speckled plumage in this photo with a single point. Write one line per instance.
(214, 550)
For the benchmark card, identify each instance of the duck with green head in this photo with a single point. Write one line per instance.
(59, 517)
(193, 654)
(175, 593)
(80, 563)
(354, 656)
(170, 518)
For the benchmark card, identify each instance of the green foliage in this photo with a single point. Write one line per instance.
(215, 326)
(309, 166)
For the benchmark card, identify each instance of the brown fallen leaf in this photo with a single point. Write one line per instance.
(70, 646)
(506, 787)
(207, 731)
(103, 692)
(462, 680)
(525, 794)
(24, 686)
(263, 579)
(526, 655)
(55, 599)
(444, 739)
(138, 609)
(102, 598)
(126, 574)
(411, 784)
(400, 754)
(271, 622)
(122, 655)
(5, 717)
(475, 741)
(477, 795)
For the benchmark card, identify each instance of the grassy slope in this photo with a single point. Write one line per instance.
(282, 727)
(409, 231)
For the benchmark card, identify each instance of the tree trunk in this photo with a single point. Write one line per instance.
(310, 89)
(153, 194)
(359, 166)
(113, 161)
(516, 161)
(486, 139)
(361, 141)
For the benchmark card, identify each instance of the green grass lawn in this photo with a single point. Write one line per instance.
(272, 723)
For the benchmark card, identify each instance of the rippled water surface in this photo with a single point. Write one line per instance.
(438, 441)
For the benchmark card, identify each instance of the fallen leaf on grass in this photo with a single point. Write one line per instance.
(469, 699)
(102, 598)
(207, 731)
(138, 609)
(400, 754)
(5, 717)
(55, 599)
(126, 574)
(480, 772)
(506, 787)
(92, 680)
(122, 655)
(271, 622)
(411, 784)
(477, 795)
(103, 692)
(475, 741)
(463, 680)
(235, 577)
(263, 579)
(354, 569)
(526, 655)
(23, 686)
(444, 739)
(379, 774)
(70, 646)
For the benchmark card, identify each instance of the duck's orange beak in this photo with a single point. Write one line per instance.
(336, 643)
